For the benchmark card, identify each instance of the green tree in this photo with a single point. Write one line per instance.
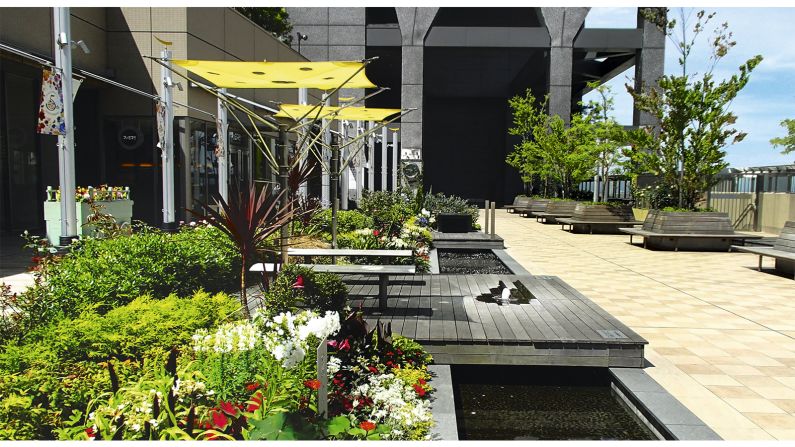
(608, 135)
(275, 20)
(787, 142)
(549, 149)
(694, 124)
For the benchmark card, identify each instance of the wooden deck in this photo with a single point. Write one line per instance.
(456, 319)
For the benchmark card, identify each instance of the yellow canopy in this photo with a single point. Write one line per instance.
(295, 111)
(319, 75)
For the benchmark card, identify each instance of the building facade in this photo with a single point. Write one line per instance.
(458, 66)
(116, 132)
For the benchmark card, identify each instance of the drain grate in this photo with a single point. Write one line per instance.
(611, 333)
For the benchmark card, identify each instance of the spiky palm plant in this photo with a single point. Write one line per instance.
(248, 219)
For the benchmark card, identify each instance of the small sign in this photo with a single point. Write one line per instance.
(410, 154)
(130, 138)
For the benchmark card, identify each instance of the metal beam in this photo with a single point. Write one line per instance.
(488, 36)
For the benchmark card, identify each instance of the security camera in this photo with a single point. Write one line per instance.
(83, 46)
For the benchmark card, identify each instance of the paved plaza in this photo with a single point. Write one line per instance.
(721, 335)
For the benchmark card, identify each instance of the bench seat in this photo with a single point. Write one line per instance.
(385, 255)
(724, 240)
(590, 224)
(550, 217)
(783, 250)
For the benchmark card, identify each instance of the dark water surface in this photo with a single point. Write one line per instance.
(471, 261)
(548, 403)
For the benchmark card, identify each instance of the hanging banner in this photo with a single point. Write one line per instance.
(220, 138)
(51, 118)
(160, 112)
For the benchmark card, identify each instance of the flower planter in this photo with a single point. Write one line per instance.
(121, 210)
(454, 222)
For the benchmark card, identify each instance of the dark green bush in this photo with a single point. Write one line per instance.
(389, 209)
(320, 292)
(104, 274)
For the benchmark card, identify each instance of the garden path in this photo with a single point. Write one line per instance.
(721, 335)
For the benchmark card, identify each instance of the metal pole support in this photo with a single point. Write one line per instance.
(284, 185)
(66, 142)
(486, 211)
(334, 177)
(493, 217)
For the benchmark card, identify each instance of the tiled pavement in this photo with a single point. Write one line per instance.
(721, 335)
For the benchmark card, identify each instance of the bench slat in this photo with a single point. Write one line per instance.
(362, 269)
(348, 252)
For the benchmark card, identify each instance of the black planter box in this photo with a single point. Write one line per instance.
(454, 223)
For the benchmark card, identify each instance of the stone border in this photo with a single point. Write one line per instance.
(510, 262)
(657, 408)
(433, 261)
(445, 427)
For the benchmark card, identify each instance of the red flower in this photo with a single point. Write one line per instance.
(367, 425)
(313, 384)
(90, 432)
(422, 381)
(252, 386)
(299, 282)
(372, 369)
(36, 259)
(228, 408)
(419, 389)
(256, 402)
(375, 233)
(219, 420)
(345, 346)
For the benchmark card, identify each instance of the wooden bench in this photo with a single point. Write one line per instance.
(534, 206)
(550, 218)
(382, 271)
(556, 209)
(783, 250)
(590, 224)
(386, 256)
(723, 239)
(518, 202)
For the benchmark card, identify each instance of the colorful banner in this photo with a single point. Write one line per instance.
(160, 112)
(51, 118)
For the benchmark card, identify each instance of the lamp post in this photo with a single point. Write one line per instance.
(167, 146)
(66, 142)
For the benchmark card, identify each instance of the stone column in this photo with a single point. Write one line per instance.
(563, 25)
(414, 25)
(649, 65)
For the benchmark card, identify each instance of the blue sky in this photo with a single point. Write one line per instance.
(768, 97)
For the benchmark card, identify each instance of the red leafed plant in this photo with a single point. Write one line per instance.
(249, 219)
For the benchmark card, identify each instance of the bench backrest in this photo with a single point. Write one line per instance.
(538, 205)
(521, 201)
(561, 207)
(603, 213)
(786, 240)
(671, 222)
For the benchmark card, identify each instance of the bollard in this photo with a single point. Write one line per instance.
(486, 212)
(493, 217)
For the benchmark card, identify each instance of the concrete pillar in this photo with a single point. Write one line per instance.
(370, 158)
(649, 65)
(383, 159)
(414, 25)
(563, 25)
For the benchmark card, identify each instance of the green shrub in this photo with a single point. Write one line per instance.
(346, 221)
(389, 209)
(440, 203)
(61, 367)
(104, 274)
(320, 292)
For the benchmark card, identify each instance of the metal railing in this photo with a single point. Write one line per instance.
(618, 188)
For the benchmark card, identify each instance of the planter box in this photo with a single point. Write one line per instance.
(707, 223)
(454, 223)
(121, 210)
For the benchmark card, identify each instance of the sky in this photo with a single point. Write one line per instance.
(769, 96)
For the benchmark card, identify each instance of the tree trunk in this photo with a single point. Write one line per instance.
(243, 298)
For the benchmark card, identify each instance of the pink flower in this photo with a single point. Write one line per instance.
(299, 282)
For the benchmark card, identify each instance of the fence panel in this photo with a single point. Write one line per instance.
(739, 206)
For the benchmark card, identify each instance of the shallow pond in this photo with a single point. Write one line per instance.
(471, 261)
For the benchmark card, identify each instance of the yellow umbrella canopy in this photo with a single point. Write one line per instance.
(319, 75)
(295, 111)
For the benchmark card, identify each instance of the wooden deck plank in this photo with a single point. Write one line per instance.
(437, 325)
(506, 334)
(400, 312)
(448, 319)
(489, 326)
(570, 328)
(444, 285)
(410, 318)
(576, 319)
(547, 333)
(424, 319)
(463, 332)
(436, 285)
(556, 326)
(475, 325)
(513, 322)
(533, 332)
